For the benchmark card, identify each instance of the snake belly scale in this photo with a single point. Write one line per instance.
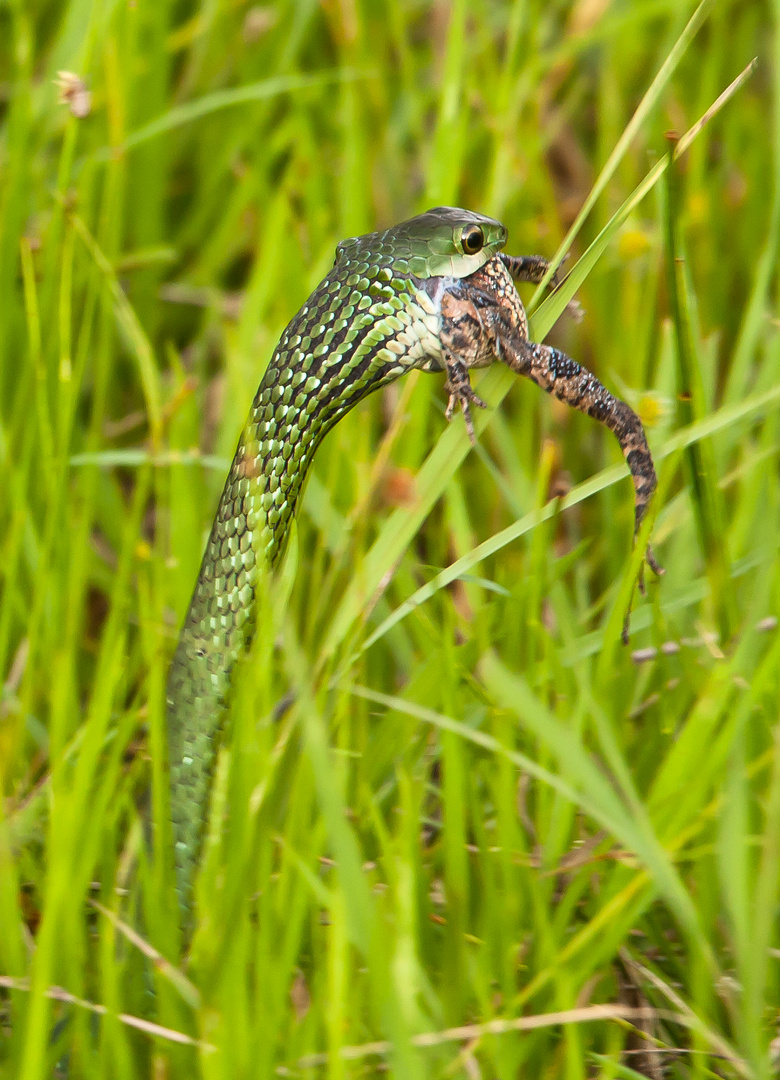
(434, 293)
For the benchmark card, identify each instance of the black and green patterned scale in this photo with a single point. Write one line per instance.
(372, 318)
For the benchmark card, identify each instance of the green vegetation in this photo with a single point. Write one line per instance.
(480, 807)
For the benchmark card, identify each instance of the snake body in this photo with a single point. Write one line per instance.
(434, 293)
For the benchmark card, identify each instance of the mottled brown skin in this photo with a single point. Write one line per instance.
(483, 319)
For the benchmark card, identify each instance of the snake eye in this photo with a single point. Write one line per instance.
(472, 239)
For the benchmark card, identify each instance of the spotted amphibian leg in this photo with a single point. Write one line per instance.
(464, 344)
(461, 393)
(528, 268)
(563, 377)
(532, 268)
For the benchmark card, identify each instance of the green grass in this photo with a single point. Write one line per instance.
(485, 841)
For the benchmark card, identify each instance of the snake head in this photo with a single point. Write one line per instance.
(443, 242)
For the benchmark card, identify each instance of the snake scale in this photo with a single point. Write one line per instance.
(434, 293)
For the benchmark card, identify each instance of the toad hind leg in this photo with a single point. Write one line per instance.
(573, 384)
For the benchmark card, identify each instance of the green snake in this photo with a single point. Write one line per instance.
(434, 293)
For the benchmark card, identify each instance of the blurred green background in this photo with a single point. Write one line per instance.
(483, 807)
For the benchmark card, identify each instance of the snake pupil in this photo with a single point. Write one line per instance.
(472, 239)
